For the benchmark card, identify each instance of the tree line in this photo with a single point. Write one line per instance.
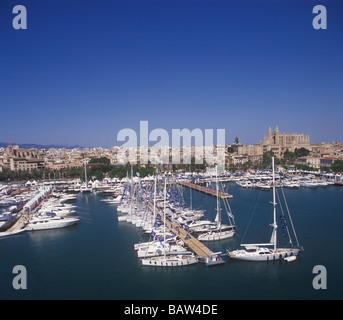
(99, 168)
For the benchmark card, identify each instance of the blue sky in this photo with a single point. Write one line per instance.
(83, 70)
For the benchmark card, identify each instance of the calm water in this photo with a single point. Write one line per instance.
(96, 260)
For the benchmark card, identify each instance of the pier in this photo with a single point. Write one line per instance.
(29, 209)
(222, 195)
(204, 253)
(21, 221)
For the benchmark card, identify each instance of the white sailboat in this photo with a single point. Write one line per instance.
(84, 186)
(162, 248)
(266, 251)
(220, 232)
(170, 261)
(174, 260)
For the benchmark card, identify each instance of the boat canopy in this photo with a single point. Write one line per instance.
(252, 246)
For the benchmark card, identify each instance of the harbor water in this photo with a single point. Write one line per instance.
(96, 260)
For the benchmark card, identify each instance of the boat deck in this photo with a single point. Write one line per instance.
(222, 195)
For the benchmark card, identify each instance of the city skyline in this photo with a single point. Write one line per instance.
(83, 71)
(272, 136)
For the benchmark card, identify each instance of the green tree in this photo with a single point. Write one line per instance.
(102, 160)
(289, 157)
(99, 175)
(337, 166)
(267, 159)
(302, 152)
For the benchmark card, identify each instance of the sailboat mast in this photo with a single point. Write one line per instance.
(164, 212)
(131, 193)
(190, 189)
(86, 182)
(155, 199)
(217, 193)
(274, 208)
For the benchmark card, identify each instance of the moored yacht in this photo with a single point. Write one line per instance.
(50, 222)
(268, 251)
(170, 261)
(219, 231)
(217, 235)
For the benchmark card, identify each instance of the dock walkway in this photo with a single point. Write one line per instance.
(21, 222)
(222, 195)
(210, 258)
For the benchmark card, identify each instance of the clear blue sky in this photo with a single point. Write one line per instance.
(83, 70)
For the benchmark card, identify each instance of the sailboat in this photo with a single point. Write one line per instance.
(268, 251)
(220, 232)
(84, 186)
(165, 260)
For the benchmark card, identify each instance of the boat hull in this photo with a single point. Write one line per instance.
(277, 255)
(51, 225)
(169, 261)
(213, 236)
(10, 233)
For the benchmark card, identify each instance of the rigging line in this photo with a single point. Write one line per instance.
(228, 209)
(259, 195)
(279, 201)
(290, 218)
(226, 200)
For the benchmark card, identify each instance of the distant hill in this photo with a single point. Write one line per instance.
(39, 146)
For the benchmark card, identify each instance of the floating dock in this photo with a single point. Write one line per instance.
(204, 253)
(21, 222)
(222, 195)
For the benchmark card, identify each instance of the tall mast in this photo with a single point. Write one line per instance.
(274, 235)
(86, 182)
(190, 189)
(164, 212)
(131, 193)
(218, 217)
(155, 199)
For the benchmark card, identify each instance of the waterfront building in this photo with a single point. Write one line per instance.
(318, 162)
(275, 141)
(279, 142)
(324, 149)
(22, 159)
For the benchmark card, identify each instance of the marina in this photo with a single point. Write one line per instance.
(171, 150)
(99, 224)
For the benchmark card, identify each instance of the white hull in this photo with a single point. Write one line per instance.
(10, 233)
(172, 261)
(259, 256)
(46, 224)
(215, 236)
